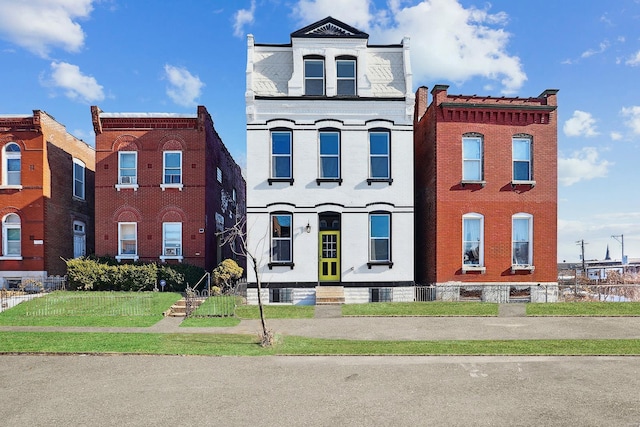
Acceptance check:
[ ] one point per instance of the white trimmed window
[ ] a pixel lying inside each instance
(11, 162)
(11, 236)
(314, 77)
(78, 179)
(380, 238)
(219, 175)
(346, 77)
(522, 155)
(472, 159)
(127, 240)
(329, 155)
(472, 241)
(281, 155)
(128, 167)
(522, 240)
(172, 167)
(281, 235)
(171, 240)
(379, 156)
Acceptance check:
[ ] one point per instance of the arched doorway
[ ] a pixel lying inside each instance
(329, 247)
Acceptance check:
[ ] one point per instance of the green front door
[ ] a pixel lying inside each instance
(329, 256)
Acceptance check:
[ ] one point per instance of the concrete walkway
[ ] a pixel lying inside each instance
(509, 325)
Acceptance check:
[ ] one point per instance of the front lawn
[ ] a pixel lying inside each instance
(584, 309)
(106, 309)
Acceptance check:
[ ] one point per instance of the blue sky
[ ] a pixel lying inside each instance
(62, 56)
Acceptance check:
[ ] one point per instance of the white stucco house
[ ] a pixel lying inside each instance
(330, 201)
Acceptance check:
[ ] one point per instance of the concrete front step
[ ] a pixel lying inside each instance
(179, 309)
(329, 295)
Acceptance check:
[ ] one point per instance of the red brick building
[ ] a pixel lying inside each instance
(486, 189)
(46, 197)
(165, 183)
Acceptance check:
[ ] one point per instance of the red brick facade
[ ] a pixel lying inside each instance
(42, 195)
(443, 197)
(199, 202)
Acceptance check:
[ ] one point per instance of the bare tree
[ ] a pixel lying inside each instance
(236, 238)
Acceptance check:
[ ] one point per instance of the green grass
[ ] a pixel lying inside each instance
(433, 308)
(222, 305)
(247, 345)
(103, 309)
(584, 309)
(276, 311)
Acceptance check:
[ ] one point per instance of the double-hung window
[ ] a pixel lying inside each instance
(472, 170)
(522, 241)
(281, 149)
(314, 77)
(346, 77)
(11, 240)
(472, 241)
(172, 173)
(127, 167)
(11, 164)
(281, 243)
(79, 239)
(78, 179)
(127, 240)
(379, 238)
(171, 240)
(522, 164)
(379, 156)
(329, 155)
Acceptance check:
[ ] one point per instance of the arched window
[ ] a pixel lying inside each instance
(11, 164)
(522, 240)
(472, 241)
(11, 231)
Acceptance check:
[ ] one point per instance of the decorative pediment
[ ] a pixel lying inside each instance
(329, 27)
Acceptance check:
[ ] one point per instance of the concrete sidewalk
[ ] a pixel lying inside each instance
(404, 328)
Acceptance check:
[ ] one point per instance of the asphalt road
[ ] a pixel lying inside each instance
(319, 391)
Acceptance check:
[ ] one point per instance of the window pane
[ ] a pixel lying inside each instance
(172, 160)
(346, 87)
(314, 87)
(281, 167)
(521, 171)
(281, 143)
(379, 167)
(471, 241)
(521, 253)
(521, 149)
(380, 250)
(379, 143)
(520, 230)
(471, 148)
(379, 225)
(329, 167)
(127, 160)
(329, 143)
(281, 250)
(314, 68)
(128, 231)
(12, 148)
(281, 226)
(13, 165)
(346, 68)
(13, 234)
(472, 170)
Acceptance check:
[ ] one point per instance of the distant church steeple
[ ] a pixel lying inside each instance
(607, 257)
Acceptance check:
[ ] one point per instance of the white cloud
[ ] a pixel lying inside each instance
(633, 113)
(615, 136)
(583, 165)
(184, 87)
(580, 124)
(601, 48)
(77, 86)
(447, 40)
(634, 61)
(39, 25)
(243, 17)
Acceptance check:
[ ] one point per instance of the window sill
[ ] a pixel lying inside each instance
(522, 267)
(165, 258)
(321, 180)
(481, 183)
(165, 186)
(10, 187)
(379, 263)
(473, 269)
(387, 180)
(272, 180)
(127, 257)
(133, 187)
(11, 258)
(280, 264)
(515, 183)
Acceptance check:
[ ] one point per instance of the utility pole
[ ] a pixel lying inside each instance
(620, 239)
(584, 268)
